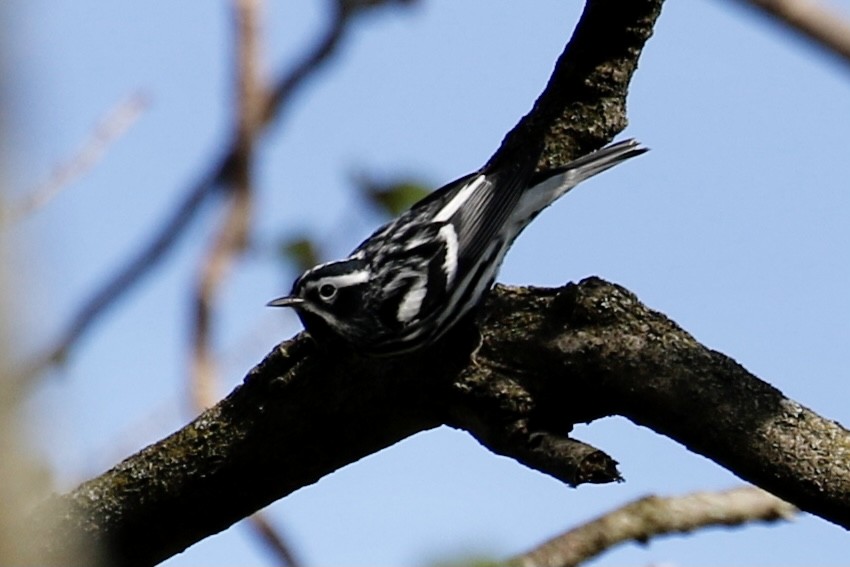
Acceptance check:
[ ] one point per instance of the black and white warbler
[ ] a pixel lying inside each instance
(412, 280)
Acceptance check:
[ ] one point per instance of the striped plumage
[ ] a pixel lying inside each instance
(413, 279)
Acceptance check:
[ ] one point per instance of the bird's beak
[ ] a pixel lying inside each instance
(288, 301)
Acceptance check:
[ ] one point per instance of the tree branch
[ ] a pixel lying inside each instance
(584, 104)
(618, 357)
(106, 132)
(824, 27)
(584, 351)
(653, 516)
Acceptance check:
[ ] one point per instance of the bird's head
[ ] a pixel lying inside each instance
(330, 297)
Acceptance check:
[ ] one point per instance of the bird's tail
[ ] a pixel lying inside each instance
(547, 186)
(587, 166)
(593, 163)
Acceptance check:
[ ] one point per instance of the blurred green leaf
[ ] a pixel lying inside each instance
(391, 198)
(395, 199)
(300, 251)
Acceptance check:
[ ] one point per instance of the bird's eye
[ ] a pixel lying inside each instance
(327, 291)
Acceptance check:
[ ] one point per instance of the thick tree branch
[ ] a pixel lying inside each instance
(584, 104)
(549, 358)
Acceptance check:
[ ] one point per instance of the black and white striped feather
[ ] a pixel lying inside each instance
(414, 278)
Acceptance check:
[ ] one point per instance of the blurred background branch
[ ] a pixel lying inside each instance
(232, 237)
(106, 132)
(654, 516)
(823, 26)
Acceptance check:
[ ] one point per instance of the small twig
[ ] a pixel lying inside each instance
(320, 53)
(653, 516)
(109, 128)
(250, 85)
(826, 28)
(271, 538)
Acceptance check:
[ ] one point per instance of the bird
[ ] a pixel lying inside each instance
(419, 275)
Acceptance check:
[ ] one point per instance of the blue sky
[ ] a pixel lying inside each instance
(735, 225)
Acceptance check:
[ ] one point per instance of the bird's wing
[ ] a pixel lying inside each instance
(424, 264)
(480, 207)
(438, 240)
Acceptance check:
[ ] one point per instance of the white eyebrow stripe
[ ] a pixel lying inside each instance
(345, 280)
(313, 269)
(458, 200)
(318, 267)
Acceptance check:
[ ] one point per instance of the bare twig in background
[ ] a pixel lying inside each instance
(226, 246)
(653, 516)
(111, 126)
(825, 27)
(217, 176)
(271, 538)
(233, 235)
(323, 49)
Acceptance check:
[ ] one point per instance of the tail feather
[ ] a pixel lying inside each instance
(547, 186)
(595, 162)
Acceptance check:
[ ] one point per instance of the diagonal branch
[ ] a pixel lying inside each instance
(273, 540)
(822, 26)
(585, 351)
(653, 516)
(109, 128)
